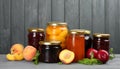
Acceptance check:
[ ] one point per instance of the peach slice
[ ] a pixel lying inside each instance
(29, 52)
(17, 48)
(66, 56)
(18, 56)
(10, 57)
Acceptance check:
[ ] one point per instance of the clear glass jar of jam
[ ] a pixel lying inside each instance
(57, 31)
(34, 36)
(75, 42)
(101, 41)
(50, 51)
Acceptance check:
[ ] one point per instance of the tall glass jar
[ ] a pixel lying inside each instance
(57, 31)
(34, 36)
(101, 41)
(75, 42)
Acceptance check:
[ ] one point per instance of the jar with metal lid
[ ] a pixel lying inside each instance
(75, 42)
(50, 51)
(57, 31)
(34, 36)
(101, 41)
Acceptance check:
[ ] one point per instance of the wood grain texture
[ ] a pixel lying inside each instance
(98, 16)
(17, 21)
(5, 33)
(86, 14)
(72, 13)
(57, 9)
(44, 13)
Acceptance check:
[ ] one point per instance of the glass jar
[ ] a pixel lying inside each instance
(75, 42)
(57, 31)
(34, 36)
(50, 51)
(88, 40)
(101, 41)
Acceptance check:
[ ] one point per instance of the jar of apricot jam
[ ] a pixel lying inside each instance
(101, 41)
(34, 36)
(50, 51)
(57, 31)
(75, 42)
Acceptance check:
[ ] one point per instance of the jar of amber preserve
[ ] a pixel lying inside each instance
(101, 41)
(75, 42)
(34, 36)
(57, 31)
(50, 51)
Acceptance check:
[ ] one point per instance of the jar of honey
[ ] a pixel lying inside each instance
(34, 36)
(101, 41)
(75, 42)
(50, 51)
(57, 31)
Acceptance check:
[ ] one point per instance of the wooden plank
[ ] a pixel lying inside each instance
(86, 14)
(17, 21)
(98, 16)
(112, 23)
(57, 10)
(44, 12)
(72, 13)
(31, 16)
(5, 26)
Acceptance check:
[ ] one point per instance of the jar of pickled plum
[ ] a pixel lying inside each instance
(57, 31)
(75, 42)
(101, 41)
(34, 36)
(50, 51)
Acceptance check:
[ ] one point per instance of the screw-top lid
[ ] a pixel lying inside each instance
(50, 42)
(97, 35)
(105, 35)
(55, 23)
(77, 31)
(36, 30)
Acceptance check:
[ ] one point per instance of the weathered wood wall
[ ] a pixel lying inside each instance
(16, 16)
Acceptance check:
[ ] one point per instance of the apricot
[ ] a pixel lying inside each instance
(17, 48)
(29, 52)
(10, 57)
(66, 56)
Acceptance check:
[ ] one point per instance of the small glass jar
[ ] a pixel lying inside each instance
(75, 42)
(101, 41)
(34, 36)
(57, 31)
(50, 51)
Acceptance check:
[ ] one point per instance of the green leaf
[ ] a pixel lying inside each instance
(36, 58)
(111, 54)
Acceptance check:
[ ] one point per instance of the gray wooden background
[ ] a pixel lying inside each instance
(16, 16)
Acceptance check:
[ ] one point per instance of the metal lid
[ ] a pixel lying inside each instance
(55, 23)
(36, 30)
(50, 42)
(77, 31)
(87, 32)
(97, 35)
(105, 35)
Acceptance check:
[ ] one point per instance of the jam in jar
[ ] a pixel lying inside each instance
(34, 36)
(57, 31)
(101, 41)
(50, 51)
(75, 42)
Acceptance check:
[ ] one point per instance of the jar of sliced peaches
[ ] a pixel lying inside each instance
(57, 31)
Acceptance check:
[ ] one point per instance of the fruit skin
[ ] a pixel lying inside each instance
(17, 48)
(66, 56)
(90, 51)
(29, 52)
(103, 56)
(18, 56)
(10, 57)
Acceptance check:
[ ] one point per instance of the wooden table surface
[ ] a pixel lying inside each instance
(5, 64)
